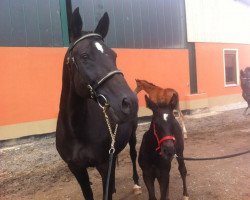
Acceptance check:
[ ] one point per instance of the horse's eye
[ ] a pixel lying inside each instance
(84, 56)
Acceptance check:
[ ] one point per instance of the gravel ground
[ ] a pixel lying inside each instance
(31, 168)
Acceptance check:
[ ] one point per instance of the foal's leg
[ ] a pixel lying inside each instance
(244, 113)
(103, 170)
(244, 95)
(163, 179)
(82, 177)
(184, 130)
(133, 156)
(149, 182)
(183, 172)
(183, 126)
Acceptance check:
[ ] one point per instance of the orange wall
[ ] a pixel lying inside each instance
(31, 78)
(210, 67)
(30, 83)
(165, 68)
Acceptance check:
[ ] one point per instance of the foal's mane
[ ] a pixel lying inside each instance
(150, 84)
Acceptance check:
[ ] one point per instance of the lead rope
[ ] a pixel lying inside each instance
(112, 147)
(212, 158)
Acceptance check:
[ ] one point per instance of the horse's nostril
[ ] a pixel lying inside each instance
(125, 103)
(126, 106)
(165, 151)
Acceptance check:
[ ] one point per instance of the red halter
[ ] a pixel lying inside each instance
(168, 137)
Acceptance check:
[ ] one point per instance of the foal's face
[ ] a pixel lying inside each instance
(94, 61)
(163, 118)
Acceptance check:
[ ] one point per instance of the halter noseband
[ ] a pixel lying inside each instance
(160, 141)
(92, 89)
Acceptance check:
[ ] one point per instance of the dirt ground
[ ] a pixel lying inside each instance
(31, 168)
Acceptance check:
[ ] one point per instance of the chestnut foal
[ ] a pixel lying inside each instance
(160, 96)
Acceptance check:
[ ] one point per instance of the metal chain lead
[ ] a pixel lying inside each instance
(112, 134)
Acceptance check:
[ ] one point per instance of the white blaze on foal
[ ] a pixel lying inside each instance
(99, 47)
(165, 116)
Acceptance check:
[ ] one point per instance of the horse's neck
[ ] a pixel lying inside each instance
(149, 89)
(72, 107)
(71, 103)
(69, 97)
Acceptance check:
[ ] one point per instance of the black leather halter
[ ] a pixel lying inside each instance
(101, 99)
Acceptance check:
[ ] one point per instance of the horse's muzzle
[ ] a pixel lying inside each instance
(125, 111)
(167, 150)
(129, 105)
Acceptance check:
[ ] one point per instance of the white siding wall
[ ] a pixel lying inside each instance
(223, 21)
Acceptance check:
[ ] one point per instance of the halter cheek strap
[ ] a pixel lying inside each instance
(160, 141)
(92, 89)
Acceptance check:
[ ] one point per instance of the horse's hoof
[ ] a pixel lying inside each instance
(185, 198)
(185, 136)
(137, 190)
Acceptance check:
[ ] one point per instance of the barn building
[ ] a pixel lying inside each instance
(194, 46)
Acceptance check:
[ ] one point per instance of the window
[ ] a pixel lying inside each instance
(231, 67)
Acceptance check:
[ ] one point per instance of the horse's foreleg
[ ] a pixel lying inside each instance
(149, 182)
(82, 177)
(183, 172)
(164, 183)
(103, 170)
(244, 113)
(133, 156)
(184, 130)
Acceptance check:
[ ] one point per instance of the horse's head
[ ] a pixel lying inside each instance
(163, 126)
(247, 72)
(139, 86)
(94, 73)
(245, 79)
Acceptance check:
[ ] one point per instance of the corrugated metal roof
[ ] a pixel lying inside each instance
(138, 23)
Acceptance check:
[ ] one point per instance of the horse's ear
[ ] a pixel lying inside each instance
(103, 25)
(173, 101)
(242, 73)
(138, 81)
(76, 24)
(150, 104)
(247, 72)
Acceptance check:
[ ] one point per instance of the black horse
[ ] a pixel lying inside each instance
(160, 143)
(94, 98)
(245, 86)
